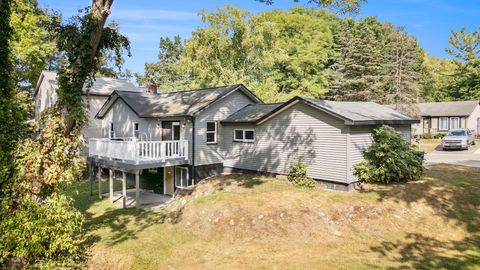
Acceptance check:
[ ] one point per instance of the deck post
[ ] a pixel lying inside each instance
(111, 175)
(124, 189)
(137, 189)
(99, 174)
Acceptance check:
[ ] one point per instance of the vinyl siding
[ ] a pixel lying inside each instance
(211, 153)
(299, 133)
(473, 121)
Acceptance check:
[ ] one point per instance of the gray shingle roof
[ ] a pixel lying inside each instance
(180, 103)
(353, 113)
(453, 108)
(251, 113)
(101, 86)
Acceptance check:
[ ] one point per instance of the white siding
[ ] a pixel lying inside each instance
(299, 133)
(94, 126)
(211, 153)
(473, 121)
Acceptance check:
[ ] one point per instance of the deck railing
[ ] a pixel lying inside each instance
(127, 149)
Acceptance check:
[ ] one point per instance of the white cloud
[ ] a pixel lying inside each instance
(155, 14)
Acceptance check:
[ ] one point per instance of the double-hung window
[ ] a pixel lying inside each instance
(454, 122)
(443, 123)
(111, 131)
(244, 135)
(212, 127)
(181, 177)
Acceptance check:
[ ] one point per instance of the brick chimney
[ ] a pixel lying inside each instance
(152, 88)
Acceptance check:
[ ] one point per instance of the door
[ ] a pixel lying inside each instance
(171, 132)
(169, 182)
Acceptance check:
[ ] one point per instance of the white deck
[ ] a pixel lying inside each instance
(130, 150)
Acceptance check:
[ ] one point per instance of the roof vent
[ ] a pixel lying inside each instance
(152, 88)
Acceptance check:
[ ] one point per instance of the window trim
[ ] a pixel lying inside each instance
(244, 131)
(185, 169)
(111, 131)
(440, 126)
(458, 121)
(136, 130)
(215, 132)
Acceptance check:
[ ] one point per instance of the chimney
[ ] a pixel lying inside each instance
(152, 88)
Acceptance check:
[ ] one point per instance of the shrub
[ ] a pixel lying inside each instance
(389, 159)
(40, 233)
(298, 175)
(427, 136)
(440, 135)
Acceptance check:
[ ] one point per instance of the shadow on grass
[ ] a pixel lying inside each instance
(453, 192)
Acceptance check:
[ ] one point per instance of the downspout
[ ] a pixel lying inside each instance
(193, 151)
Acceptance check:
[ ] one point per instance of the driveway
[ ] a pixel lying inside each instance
(470, 157)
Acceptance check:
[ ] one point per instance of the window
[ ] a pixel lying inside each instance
(39, 104)
(135, 130)
(212, 132)
(244, 135)
(50, 101)
(443, 123)
(181, 177)
(454, 122)
(111, 133)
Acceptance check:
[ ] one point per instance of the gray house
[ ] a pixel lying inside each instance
(443, 116)
(176, 139)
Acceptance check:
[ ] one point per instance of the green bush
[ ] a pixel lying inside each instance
(427, 136)
(389, 159)
(44, 234)
(298, 175)
(440, 135)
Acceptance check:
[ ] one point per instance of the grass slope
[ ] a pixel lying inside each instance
(244, 222)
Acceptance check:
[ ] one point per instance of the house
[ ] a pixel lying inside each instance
(45, 95)
(176, 139)
(443, 116)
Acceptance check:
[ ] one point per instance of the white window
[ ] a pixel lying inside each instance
(50, 101)
(443, 123)
(243, 135)
(135, 130)
(454, 122)
(181, 177)
(111, 133)
(39, 104)
(212, 132)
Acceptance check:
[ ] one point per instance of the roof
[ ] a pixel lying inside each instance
(452, 108)
(101, 85)
(352, 112)
(251, 113)
(179, 103)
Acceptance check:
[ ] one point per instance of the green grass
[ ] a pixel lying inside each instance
(252, 222)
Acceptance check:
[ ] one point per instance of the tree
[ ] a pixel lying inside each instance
(465, 48)
(435, 77)
(344, 6)
(33, 46)
(166, 73)
(402, 66)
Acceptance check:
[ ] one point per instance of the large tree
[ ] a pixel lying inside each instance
(435, 78)
(465, 48)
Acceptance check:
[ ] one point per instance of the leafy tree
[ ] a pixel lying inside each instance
(33, 46)
(389, 159)
(465, 47)
(166, 72)
(435, 78)
(344, 6)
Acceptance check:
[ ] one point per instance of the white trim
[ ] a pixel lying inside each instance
(277, 112)
(440, 126)
(458, 121)
(215, 132)
(136, 129)
(111, 130)
(182, 179)
(244, 131)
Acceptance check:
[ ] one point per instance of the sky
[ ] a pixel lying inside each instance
(145, 21)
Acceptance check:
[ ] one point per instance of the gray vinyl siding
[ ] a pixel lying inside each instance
(361, 137)
(299, 133)
(211, 153)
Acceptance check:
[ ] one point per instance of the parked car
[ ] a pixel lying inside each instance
(460, 138)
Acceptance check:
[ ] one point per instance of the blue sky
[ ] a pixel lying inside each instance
(145, 21)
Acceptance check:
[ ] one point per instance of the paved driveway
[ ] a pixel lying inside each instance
(470, 157)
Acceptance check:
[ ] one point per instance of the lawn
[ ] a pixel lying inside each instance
(428, 145)
(245, 222)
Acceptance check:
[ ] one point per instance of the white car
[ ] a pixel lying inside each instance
(460, 138)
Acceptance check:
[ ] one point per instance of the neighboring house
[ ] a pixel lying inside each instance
(443, 116)
(45, 95)
(176, 139)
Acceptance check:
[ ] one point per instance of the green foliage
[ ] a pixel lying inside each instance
(388, 159)
(440, 135)
(44, 234)
(33, 45)
(435, 78)
(343, 6)
(298, 175)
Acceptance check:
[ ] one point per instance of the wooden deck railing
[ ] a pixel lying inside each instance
(127, 149)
